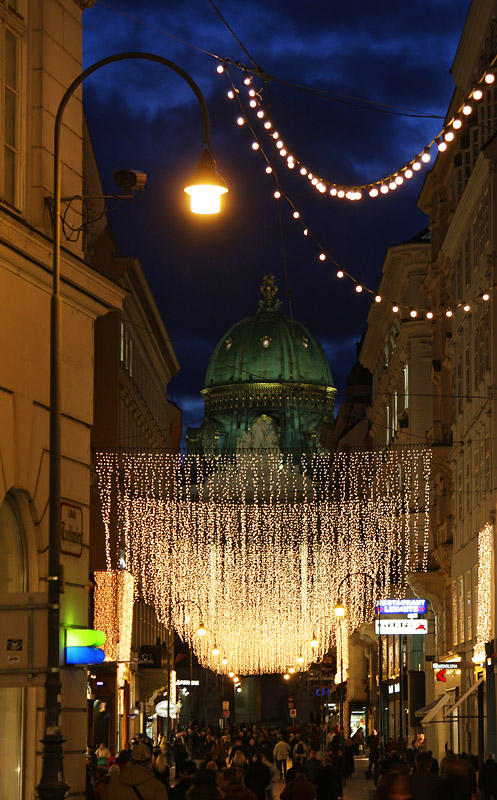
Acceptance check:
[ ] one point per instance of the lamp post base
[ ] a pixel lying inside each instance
(52, 785)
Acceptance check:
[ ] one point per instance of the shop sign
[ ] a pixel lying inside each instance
(71, 529)
(161, 709)
(399, 606)
(322, 691)
(403, 627)
(446, 665)
(184, 682)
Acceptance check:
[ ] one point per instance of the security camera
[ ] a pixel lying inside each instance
(130, 180)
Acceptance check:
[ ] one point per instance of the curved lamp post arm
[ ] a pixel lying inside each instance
(52, 786)
(350, 575)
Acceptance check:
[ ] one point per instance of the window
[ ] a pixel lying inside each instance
(9, 115)
(460, 607)
(468, 605)
(406, 386)
(455, 627)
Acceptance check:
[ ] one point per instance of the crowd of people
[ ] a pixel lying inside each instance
(255, 763)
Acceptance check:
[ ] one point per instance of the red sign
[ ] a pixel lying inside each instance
(440, 675)
(293, 712)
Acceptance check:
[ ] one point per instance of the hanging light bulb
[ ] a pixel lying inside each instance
(395, 309)
(441, 144)
(322, 256)
(485, 296)
(291, 670)
(283, 152)
(425, 156)
(358, 288)
(247, 81)
(399, 180)
(255, 145)
(303, 171)
(413, 313)
(466, 307)
(333, 191)
(408, 173)
(240, 121)
(269, 170)
(253, 103)
(260, 113)
(201, 630)
(341, 193)
(215, 650)
(449, 136)
(429, 315)
(384, 188)
(448, 313)
(286, 676)
(224, 661)
(230, 94)
(231, 674)
(457, 123)
(416, 166)
(296, 215)
(300, 659)
(267, 125)
(373, 192)
(467, 109)
(252, 92)
(392, 186)
(477, 94)
(489, 78)
(377, 298)
(277, 195)
(340, 274)
(220, 69)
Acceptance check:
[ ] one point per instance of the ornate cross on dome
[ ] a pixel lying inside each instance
(269, 292)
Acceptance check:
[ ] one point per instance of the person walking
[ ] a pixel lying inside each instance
(258, 777)
(281, 754)
(313, 767)
(137, 780)
(329, 784)
(300, 788)
(424, 784)
(487, 780)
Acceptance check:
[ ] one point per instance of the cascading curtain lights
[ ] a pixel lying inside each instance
(260, 541)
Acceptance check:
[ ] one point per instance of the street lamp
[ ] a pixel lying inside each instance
(52, 785)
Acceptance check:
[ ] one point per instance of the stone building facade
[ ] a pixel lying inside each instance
(40, 43)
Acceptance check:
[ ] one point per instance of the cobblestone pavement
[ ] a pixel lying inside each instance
(358, 786)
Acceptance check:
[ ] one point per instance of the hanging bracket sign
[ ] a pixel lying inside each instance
(403, 627)
(405, 606)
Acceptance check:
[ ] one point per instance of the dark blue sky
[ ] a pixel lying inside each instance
(205, 274)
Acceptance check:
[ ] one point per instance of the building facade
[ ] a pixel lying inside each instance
(459, 196)
(40, 44)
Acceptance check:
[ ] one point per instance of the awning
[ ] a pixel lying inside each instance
(430, 711)
(463, 697)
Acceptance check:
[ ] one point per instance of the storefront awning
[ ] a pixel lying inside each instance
(430, 711)
(463, 697)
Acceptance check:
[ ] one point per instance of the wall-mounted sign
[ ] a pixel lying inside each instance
(405, 606)
(71, 529)
(394, 688)
(184, 682)
(161, 709)
(404, 627)
(322, 691)
(446, 665)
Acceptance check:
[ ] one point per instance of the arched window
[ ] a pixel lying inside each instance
(12, 556)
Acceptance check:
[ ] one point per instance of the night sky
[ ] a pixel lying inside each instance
(205, 274)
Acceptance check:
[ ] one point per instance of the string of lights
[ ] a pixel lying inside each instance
(485, 592)
(408, 313)
(380, 186)
(261, 542)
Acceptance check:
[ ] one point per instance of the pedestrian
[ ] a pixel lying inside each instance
(281, 754)
(487, 780)
(329, 783)
(300, 788)
(137, 780)
(204, 786)
(424, 784)
(300, 752)
(184, 781)
(394, 786)
(258, 777)
(102, 754)
(161, 767)
(313, 767)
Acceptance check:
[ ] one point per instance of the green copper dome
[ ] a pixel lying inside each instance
(268, 386)
(268, 348)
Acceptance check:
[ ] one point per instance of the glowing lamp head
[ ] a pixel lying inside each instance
(485, 296)
(201, 630)
(286, 676)
(231, 674)
(377, 298)
(236, 679)
(224, 661)
(339, 610)
(206, 186)
(215, 650)
(300, 659)
(314, 642)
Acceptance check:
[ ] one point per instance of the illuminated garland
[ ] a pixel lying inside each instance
(260, 542)
(381, 186)
(485, 571)
(323, 254)
(113, 614)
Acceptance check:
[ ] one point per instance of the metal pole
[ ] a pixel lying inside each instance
(341, 680)
(169, 623)
(491, 738)
(380, 690)
(191, 678)
(401, 686)
(52, 785)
